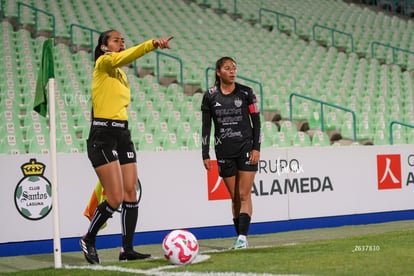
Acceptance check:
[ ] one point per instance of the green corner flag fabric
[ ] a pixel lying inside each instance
(46, 72)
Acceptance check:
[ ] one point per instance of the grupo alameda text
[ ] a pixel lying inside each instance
(286, 176)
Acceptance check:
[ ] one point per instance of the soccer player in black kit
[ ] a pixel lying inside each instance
(234, 110)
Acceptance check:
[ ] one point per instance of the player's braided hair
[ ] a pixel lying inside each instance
(102, 40)
(219, 64)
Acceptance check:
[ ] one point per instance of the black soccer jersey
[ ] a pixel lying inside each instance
(236, 118)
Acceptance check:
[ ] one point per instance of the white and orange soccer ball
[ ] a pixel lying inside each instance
(180, 247)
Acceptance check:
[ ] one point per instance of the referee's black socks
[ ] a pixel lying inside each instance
(129, 218)
(101, 215)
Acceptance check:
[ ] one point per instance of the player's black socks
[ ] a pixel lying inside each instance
(129, 217)
(236, 225)
(244, 224)
(101, 215)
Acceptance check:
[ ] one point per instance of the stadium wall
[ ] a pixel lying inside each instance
(295, 188)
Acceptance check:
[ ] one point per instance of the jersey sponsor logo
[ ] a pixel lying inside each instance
(116, 124)
(216, 188)
(389, 171)
(100, 123)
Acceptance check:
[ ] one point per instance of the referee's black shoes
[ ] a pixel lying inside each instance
(89, 251)
(131, 255)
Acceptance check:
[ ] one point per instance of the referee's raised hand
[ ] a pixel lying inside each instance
(162, 43)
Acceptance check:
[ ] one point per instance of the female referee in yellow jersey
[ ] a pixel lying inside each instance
(109, 144)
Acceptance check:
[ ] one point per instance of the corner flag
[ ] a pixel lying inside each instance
(46, 72)
(97, 197)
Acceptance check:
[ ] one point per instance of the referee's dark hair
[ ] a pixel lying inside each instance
(219, 64)
(102, 40)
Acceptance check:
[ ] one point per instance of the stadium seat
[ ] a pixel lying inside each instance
(174, 119)
(193, 142)
(398, 137)
(147, 142)
(171, 142)
(269, 133)
(282, 141)
(301, 139)
(68, 144)
(39, 144)
(381, 138)
(320, 138)
(289, 129)
(11, 145)
(160, 131)
(184, 130)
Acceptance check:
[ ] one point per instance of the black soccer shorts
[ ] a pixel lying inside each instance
(230, 166)
(107, 144)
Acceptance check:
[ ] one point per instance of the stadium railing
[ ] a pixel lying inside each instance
(278, 16)
(333, 32)
(322, 104)
(169, 56)
(393, 49)
(397, 123)
(36, 11)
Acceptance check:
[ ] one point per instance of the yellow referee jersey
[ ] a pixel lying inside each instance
(111, 94)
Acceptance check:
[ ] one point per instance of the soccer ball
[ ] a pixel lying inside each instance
(180, 247)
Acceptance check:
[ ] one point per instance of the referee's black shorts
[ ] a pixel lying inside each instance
(108, 141)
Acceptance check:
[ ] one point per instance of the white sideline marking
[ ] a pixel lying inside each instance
(159, 270)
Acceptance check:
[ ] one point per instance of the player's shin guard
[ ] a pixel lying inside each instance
(244, 224)
(101, 215)
(129, 218)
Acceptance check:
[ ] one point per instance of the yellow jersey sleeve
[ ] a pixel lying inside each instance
(111, 93)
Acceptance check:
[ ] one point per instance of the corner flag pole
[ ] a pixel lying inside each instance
(46, 81)
(53, 155)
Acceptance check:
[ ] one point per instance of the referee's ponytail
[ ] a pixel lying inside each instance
(102, 40)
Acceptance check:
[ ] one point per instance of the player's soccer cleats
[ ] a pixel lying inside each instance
(131, 255)
(89, 251)
(239, 244)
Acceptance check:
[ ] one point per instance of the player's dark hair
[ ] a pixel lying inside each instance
(219, 64)
(102, 40)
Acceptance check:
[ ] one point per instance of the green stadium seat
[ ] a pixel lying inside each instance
(282, 141)
(149, 143)
(174, 119)
(320, 138)
(184, 130)
(381, 138)
(39, 144)
(171, 142)
(301, 139)
(10, 144)
(193, 142)
(160, 131)
(289, 129)
(68, 144)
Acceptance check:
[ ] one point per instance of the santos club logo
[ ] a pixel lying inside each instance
(33, 194)
(389, 171)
